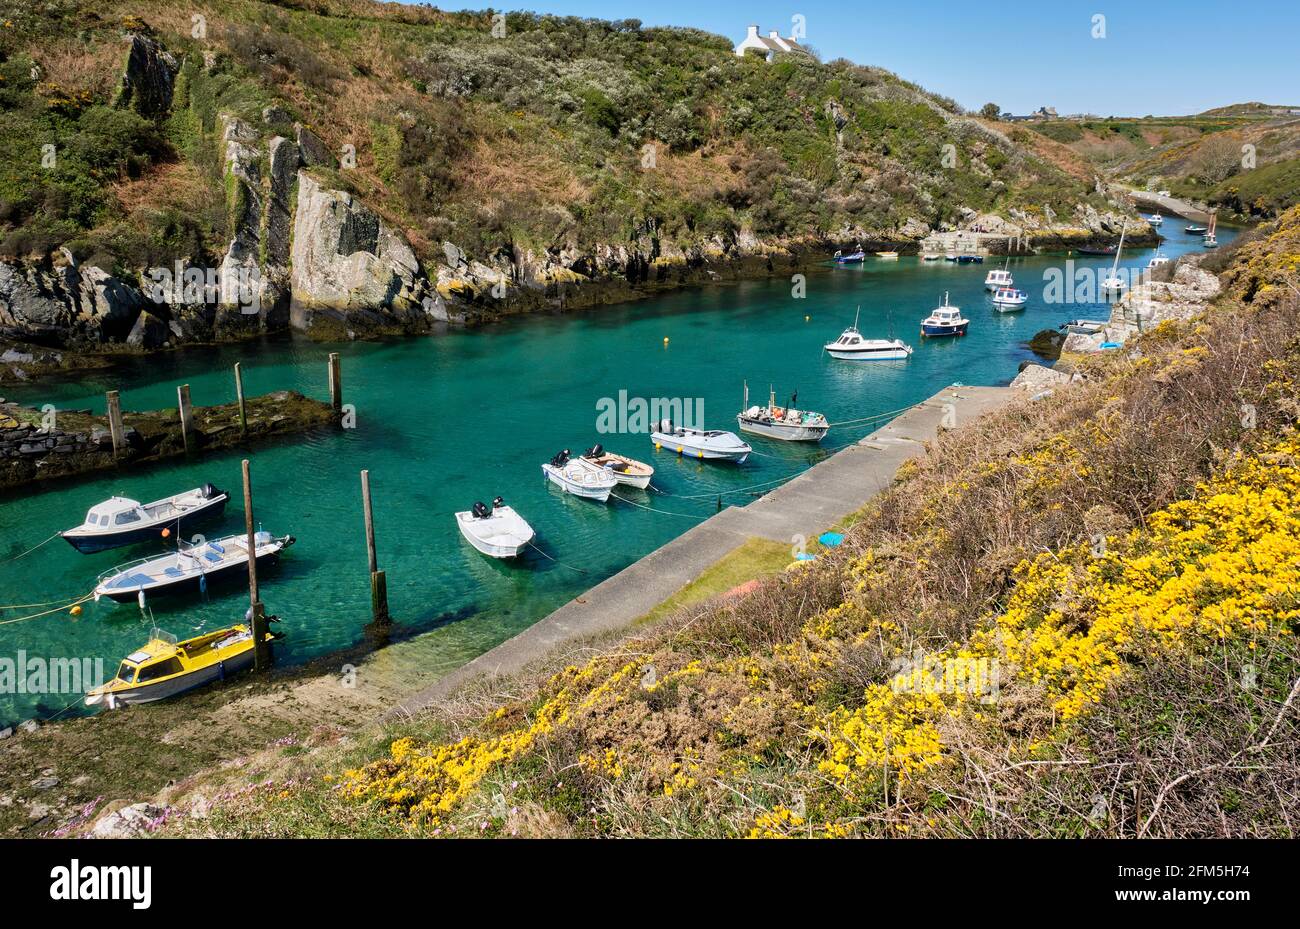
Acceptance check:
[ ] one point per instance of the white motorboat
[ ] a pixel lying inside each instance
(1008, 299)
(580, 477)
(944, 320)
(626, 470)
(1114, 284)
(888, 255)
(190, 567)
(785, 423)
(497, 530)
(119, 521)
(706, 444)
(1158, 260)
(999, 278)
(851, 346)
(1157, 220)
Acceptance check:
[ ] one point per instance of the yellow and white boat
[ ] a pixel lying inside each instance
(164, 667)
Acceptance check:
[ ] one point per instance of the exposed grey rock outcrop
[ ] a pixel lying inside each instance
(148, 79)
(1035, 378)
(347, 261)
(65, 305)
(314, 151)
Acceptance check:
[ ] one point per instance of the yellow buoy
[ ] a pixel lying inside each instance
(658, 446)
(807, 318)
(76, 610)
(665, 340)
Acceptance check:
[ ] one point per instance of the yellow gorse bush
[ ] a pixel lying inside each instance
(1224, 564)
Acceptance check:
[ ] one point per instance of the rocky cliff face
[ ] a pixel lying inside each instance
(304, 254)
(350, 269)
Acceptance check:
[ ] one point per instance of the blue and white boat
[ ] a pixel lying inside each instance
(944, 320)
(852, 258)
(1008, 299)
(120, 521)
(190, 567)
(970, 259)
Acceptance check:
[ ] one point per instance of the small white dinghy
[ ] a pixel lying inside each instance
(580, 477)
(626, 470)
(709, 445)
(191, 567)
(497, 530)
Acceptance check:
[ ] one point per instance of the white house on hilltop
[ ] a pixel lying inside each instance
(769, 46)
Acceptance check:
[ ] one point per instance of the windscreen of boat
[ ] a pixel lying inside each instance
(126, 672)
(161, 669)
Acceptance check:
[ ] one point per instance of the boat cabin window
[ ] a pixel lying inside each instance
(103, 520)
(161, 669)
(92, 518)
(126, 672)
(129, 516)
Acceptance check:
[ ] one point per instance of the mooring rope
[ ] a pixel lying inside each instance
(57, 609)
(557, 561)
(653, 510)
(30, 550)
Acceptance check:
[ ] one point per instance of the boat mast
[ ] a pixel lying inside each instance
(1118, 251)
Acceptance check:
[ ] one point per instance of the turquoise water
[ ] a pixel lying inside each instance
(461, 416)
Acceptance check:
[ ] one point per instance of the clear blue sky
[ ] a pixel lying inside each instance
(1160, 56)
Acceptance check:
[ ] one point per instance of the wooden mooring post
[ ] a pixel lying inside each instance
(115, 427)
(336, 383)
(186, 414)
(378, 582)
(239, 396)
(257, 613)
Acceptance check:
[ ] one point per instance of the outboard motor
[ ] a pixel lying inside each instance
(595, 451)
(209, 491)
(499, 501)
(561, 459)
(480, 510)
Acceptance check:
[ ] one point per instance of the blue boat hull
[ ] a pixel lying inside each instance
(935, 332)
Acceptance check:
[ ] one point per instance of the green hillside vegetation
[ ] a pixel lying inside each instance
(537, 138)
(1198, 157)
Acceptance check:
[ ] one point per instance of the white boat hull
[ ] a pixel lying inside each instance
(505, 534)
(627, 471)
(691, 448)
(588, 482)
(892, 354)
(786, 432)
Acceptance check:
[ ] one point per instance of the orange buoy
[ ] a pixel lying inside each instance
(166, 533)
(76, 610)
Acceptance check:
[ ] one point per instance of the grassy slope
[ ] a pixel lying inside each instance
(1199, 157)
(1126, 549)
(535, 139)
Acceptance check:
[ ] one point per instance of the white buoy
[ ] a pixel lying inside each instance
(139, 596)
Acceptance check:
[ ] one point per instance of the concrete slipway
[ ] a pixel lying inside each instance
(807, 504)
